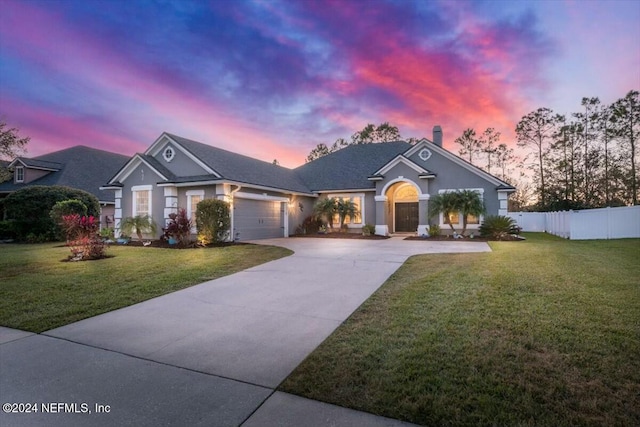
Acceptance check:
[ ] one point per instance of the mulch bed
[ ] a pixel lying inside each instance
(338, 235)
(510, 238)
(164, 244)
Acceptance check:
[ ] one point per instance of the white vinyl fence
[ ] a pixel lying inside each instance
(605, 223)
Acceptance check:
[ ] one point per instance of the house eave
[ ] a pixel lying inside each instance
(346, 190)
(238, 183)
(111, 187)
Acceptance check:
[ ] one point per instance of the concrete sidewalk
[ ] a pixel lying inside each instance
(211, 354)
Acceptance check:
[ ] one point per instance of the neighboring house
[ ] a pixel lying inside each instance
(391, 183)
(79, 167)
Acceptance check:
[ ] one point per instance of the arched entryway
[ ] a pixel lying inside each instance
(403, 207)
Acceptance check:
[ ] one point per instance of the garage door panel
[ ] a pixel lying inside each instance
(257, 219)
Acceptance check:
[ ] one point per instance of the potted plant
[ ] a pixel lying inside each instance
(178, 230)
(123, 239)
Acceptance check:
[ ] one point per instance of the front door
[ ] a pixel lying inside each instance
(406, 217)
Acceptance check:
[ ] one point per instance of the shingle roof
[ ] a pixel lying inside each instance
(239, 168)
(349, 167)
(38, 163)
(81, 167)
(158, 166)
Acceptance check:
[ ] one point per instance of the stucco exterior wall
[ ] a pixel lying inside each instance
(300, 208)
(452, 176)
(143, 175)
(180, 164)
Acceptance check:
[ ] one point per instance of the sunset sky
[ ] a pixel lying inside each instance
(273, 78)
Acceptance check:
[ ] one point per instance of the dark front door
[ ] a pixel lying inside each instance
(406, 217)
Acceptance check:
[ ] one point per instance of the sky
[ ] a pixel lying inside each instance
(273, 78)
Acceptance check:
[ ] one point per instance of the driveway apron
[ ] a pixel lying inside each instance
(235, 338)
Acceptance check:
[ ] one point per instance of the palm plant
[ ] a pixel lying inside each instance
(469, 203)
(139, 224)
(346, 208)
(466, 202)
(325, 209)
(446, 204)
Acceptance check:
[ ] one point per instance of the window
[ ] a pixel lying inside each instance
(358, 200)
(19, 173)
(168, 154)
(141, 197)
(193, 198)
(455, 218)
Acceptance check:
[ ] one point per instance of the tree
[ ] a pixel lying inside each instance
(320, 150)
(504, 158)
(139, 224)
(536, 129)
(11, 146)
(370, 134)
(470, 145)
(445, 204)
(384, 132)
(346, 208)
(487, 142)
(29, 208)
(588, 119)
(325, 209)
(469, 203)
(626, 124)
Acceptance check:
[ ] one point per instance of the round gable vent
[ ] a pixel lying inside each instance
(168, 154)
(424, 154)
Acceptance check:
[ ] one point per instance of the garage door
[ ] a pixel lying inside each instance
(257, 219)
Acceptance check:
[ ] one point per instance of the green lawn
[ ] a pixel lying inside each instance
(544, 332)
(39, 292)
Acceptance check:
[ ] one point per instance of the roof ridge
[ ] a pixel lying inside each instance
(207, 146)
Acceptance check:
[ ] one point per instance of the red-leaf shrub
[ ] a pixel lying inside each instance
(82, 237)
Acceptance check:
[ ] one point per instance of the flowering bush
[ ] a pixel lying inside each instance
(82, 237)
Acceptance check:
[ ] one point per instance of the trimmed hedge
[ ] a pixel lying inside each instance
(213, 220)
(29, 209)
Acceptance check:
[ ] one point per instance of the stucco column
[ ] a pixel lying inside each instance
(170, 202)
(423, 214)
(117, 216)
(382, 229)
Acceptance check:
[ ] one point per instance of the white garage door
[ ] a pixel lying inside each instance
(257, 219)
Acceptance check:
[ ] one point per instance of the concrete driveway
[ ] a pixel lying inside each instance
(211, 354)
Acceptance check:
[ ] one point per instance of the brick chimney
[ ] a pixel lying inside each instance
(437, 135)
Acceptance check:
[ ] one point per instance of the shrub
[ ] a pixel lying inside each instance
(310, 225)
(138, 224)
(369, 230)
(63, 208)
(29, 207)
(82, 237)
(179, 227)
(107, 233)
(325, 209)
(213, 221)
(498, 227)
(7, 230)
(434, 230)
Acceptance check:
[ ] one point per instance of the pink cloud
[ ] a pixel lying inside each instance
(102, 68)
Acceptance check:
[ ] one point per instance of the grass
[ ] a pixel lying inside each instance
(544, 332)
(39, 292)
